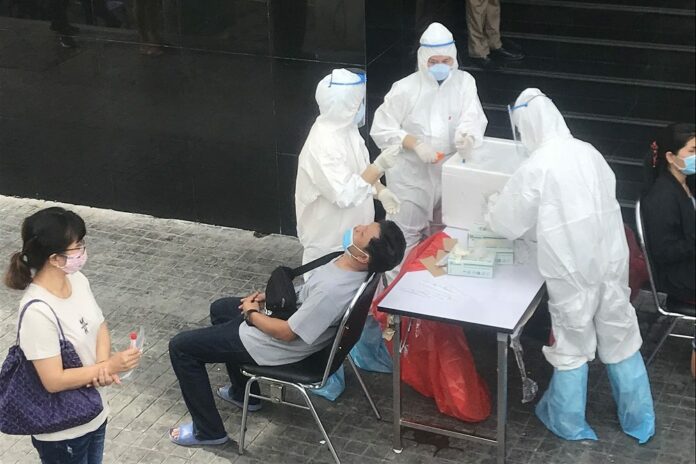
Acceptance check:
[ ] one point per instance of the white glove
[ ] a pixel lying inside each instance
(464, 144)
(387, 159)
(427, 154)
(389, 201)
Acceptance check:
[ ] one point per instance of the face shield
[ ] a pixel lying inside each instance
(360, 79)
(514, 115)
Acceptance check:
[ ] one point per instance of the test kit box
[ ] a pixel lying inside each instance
(466, 186)
(480, 237)
(478, 264)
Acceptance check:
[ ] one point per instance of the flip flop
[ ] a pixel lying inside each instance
(224, 393)
(187, 438)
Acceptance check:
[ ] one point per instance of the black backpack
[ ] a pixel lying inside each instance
(281, 299)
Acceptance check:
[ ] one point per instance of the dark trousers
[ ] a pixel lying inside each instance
(87, 449)
(189, 353)
(58, 13)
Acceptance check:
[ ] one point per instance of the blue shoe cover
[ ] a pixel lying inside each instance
(631, 389)
(370, 353)
(562, 408)
(334, 386)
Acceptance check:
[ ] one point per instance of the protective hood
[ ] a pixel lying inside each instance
(436, 40)
(339, 96)
(537, 119)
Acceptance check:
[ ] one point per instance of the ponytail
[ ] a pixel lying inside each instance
(18, 275)
(670, 139)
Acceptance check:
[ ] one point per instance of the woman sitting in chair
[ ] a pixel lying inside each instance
(668, 213)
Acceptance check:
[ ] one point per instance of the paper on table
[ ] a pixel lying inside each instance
(433, 291)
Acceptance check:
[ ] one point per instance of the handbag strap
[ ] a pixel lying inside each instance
(24, 309)
(298, 271)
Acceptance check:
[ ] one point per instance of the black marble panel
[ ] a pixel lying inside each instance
(236, 185)
(294, 86)
(326, 30)
(226, 25)
(385, 28)
(287, 172)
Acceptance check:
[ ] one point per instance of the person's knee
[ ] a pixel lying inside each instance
(175, 345)
(220, 309)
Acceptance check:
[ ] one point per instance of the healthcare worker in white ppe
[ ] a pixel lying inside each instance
(564, 193)
(335, 181)
(430, 114)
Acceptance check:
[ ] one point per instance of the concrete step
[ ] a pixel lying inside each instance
(575, 55)
(595, 97)
(660, 26)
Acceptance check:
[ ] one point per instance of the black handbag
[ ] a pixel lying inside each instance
(281, 300)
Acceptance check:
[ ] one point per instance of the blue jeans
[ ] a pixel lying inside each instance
(87, 449)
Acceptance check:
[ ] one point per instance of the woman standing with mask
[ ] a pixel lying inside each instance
(55, 291)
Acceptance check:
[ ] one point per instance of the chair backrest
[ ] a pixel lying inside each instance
(352, 325)
(642, 238)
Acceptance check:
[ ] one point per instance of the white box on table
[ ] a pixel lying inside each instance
(466, 186)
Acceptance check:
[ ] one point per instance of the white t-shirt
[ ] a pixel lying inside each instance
(80, 317)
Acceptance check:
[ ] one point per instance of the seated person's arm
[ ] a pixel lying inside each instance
(276, 328)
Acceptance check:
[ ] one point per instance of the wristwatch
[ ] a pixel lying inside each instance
(247, 316)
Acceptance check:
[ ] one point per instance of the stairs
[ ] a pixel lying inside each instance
(617, 70)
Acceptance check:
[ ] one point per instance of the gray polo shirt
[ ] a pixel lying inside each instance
(323, 301)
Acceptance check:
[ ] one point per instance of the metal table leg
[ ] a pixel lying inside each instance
(502, 395)
(396, 379)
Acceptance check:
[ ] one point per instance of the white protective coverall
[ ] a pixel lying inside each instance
(567, 190)
(330, 195)
(434, 113)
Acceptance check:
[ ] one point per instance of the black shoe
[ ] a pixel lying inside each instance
(67, 42)
(506, 54)
(484, 63)
(65, 29)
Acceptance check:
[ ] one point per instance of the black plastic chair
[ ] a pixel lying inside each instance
(671, 308)
(313, 372)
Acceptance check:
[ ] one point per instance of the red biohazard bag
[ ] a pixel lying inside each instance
(438, 363)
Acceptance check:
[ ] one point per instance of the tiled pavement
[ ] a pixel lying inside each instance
(163, 274)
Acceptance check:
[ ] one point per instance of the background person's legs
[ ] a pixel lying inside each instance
(492, 25)
(476, 24)
(58, 12)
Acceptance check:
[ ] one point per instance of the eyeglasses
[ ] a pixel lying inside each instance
(81, 247)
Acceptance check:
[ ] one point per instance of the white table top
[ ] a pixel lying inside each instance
(498, 303)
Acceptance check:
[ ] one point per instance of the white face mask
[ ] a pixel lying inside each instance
(348, 242)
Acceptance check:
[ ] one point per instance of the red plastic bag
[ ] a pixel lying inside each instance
(438, 363)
